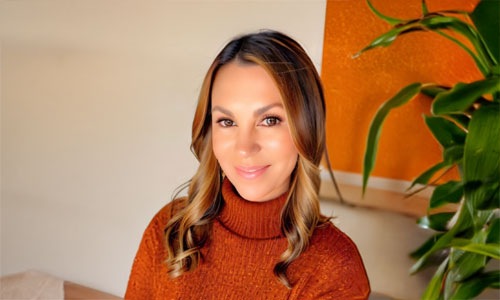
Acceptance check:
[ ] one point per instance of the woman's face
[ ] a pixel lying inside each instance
(250, 132)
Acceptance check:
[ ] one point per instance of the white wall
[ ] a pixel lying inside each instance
(97, 99)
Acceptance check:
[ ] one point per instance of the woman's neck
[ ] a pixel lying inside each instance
(257, 220)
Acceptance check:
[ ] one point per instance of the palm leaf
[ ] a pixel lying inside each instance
(487, 22)
(390, 20)
(404, 95)
(474, 286)
(462, 96)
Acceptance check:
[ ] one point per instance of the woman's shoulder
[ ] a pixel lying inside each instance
(163, 216)
(331, 267)
(329, 237)
(334, 249)
(154, 233)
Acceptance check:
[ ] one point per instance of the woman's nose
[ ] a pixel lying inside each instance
(247, 142)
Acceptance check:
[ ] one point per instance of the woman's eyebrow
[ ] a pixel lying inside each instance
(257, 112)
(262, 110)
(222, 110)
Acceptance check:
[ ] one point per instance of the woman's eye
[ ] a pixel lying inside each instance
(225, 123)
(271, 121)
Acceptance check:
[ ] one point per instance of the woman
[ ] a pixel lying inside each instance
(250, 226)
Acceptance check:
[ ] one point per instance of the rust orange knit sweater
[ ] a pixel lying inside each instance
(239, 259)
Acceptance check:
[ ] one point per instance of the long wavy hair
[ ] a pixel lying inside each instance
(302, 93)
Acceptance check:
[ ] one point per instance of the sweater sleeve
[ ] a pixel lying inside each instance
(338, 272)
(149, 257)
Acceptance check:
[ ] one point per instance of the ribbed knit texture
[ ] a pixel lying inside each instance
(238, 261)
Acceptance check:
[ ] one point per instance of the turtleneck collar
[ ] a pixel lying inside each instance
(257, 220)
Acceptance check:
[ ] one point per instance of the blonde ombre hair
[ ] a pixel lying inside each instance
(300, 86)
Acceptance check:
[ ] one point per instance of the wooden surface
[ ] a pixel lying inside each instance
(414, 206)
(77, 291)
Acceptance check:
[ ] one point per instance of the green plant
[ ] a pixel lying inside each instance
(465, 120)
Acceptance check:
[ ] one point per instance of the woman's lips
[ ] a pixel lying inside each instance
(251, 172)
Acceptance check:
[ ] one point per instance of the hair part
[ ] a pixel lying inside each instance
(302, 93)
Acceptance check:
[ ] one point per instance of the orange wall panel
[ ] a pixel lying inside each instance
(355, 88)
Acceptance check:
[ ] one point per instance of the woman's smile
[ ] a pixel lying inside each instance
(251, 172)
